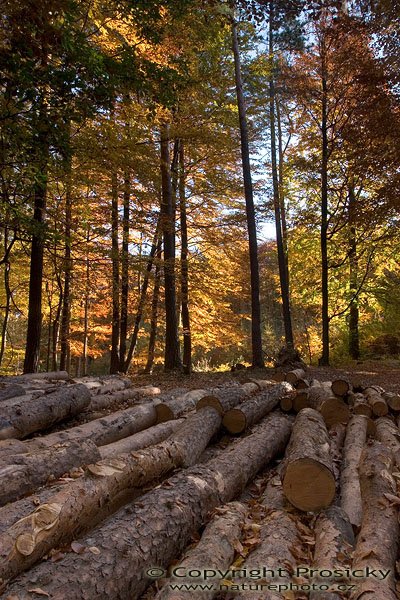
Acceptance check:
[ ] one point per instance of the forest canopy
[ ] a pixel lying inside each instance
(144, 149)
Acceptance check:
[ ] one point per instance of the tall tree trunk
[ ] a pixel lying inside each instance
(86, 310)
(7, 290)
(56, 323)
(114, 363)
(172, 358)
(32, 350)
(66, 306)
(282, 190)
(124, 273)
(324, 360)
(187, 339)
(282, 263)
(257, 353)
(142, 298)
(354, 339)
(154, 310)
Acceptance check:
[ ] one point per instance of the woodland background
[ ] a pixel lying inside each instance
(124, 221)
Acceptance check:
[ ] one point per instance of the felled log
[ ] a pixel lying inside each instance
(171, 407)
(142, 439)
(302, 384)
(341, 387)
(293, 377)
(350, 491)
(215, 550)
(388, 433)
(252, 410)
(129, 395)
(392, 400)
(72, 510)
(337, 434)
(333, 409)
(37, 414)
(359, 404)
(376, 401)
(51, 375)
(307, 473)
(106, 429)
(12, 391)
(22, 474)
(377, 542)
(278, 537)
(334, 541)
(222, 399)
(150, 532)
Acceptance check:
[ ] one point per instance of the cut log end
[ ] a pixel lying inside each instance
(164, 413)
(309, 485)
(235, 421)
(335, 411)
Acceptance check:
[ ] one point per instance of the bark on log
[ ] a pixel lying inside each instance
(143, 439)
(72, 510)
(153, 531)
(106, 430)
(279, 538)
(377, 402)
(129, 396)
(252, 410)
(27, 377)
(341, 387)
(393, 400)
(22, 474)
(333, 409)
(40, 413)
(11, 391)
(388, 433)
(251, 387)
(377, 542)
(334, 541)
(350, 501)
(223, 399)
(292, 377)
(172, 407)
(307, 472)
(359, 404)
(337, 435)
(215, 550)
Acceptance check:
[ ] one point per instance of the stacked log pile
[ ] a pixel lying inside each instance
(296, 477)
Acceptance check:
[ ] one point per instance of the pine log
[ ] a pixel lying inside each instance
(143, 439)
(376, 401)
(279, 539)
(114, 384)
(334, 541)
(72, 510)
(356, 436)
(359, 404)
(28, 377)
(393, 400)
(307, 473)
(223, 399)
(215, 550)
(251, 387)
(388, 433)
(286, 403)
(172, 407)
(40, 413)
(302, 384)
(264, 383)
(341, 387)
(377, 542)
(102, 401)
(153, 531)
(333, 409)
(11, 391)
(337, 434)
(107, 429)
(22, 474)
(252, 410)
(292, 377)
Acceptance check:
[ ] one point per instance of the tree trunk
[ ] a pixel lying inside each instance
(222, 399)
(294, 376)
(354, 338)
(187, 339)
(172, 353)
(388, 433)
(377, 542)
(72, 510)
(142, 439)
(376, 402)
(307, 473)
(393, 400)
(124, 274)
(254, 409)
(341, 387)
(334, 540)
(129, 396)
(171, 408)
(40, 413)
(8, 293)
(22, 474)
(148, 533)
(215, 550)
(32, 349)
(282, 262)
(142, 295)
(359, 404)
(332, 408)
(154, 312)
(256, 339)
(350, 494)
(114, 361)
(12, 391)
